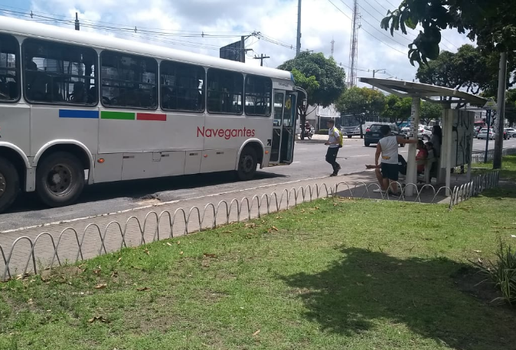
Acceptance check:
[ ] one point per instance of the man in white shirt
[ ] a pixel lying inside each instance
(333, 144)
(387, 147)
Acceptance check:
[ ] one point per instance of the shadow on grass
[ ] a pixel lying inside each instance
(372, 291)
(507, 189)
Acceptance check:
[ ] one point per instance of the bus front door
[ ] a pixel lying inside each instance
(284, 127)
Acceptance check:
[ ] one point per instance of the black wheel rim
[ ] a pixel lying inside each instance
(3, 185)
(247, 163)
(59, 180)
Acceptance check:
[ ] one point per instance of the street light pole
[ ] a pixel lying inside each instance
(377, 71)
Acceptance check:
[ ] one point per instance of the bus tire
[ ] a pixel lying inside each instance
(247, 164)
(9, 184)
(59, 179)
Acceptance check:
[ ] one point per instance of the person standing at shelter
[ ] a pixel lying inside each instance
(333, 144)
(387, 171)
(437, 140)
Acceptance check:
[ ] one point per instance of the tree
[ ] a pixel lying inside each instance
(397, 109)
(430, 111)
(468, 69)
(491, 23)
(510, 106)
(361, 103)
(323, 80)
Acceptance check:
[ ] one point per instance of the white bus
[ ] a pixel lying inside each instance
(80, 108)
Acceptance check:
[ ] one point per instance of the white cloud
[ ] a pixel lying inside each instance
(277, 19)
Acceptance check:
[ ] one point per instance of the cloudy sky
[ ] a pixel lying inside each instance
(205, 25)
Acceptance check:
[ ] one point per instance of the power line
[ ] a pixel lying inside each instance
(373, 26)
(391, 47)
(409, 32)
(144, 33)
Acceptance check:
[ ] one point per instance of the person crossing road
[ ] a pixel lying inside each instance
(333, 144)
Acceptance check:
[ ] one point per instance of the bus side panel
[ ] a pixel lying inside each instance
(227, 134)
(15, 126)
(152, 133)
(49, 123)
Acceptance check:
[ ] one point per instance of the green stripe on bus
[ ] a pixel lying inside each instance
(117, 115)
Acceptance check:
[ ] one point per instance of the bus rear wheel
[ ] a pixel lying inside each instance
(59, 179)
(9, 184)
(247, 164)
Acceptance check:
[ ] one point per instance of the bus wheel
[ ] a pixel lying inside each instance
(9, 184)
(59, 179)
(247, 164)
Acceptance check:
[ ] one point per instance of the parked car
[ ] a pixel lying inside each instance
(423, 131)
(373, 135)
(350, 131)
(483, 134)
(509, 132)
(476, 131)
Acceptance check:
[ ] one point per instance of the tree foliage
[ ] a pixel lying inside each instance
(329, 76)
(321, 77)
(361, 103)
(397, 109)
(491, 23)
(468, 69)
(430, 111)
(510, 106)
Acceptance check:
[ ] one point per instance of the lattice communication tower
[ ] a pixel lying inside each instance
(353, 49)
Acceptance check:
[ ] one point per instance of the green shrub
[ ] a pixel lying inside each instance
(322, 132)
(502, 272)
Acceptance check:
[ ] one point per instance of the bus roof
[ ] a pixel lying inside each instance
(43, 31)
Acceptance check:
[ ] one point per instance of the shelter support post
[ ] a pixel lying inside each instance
(411, 161)
(446, 149)
(470, 157)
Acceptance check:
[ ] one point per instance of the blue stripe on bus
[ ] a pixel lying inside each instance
(70, 113)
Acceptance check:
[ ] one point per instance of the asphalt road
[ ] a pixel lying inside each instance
(107, 198)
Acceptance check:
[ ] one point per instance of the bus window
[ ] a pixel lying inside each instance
(128, 81)
(182, 87)
(225, 91)
(59, 73)
(9, 69)
(258, 91)
(278, 108)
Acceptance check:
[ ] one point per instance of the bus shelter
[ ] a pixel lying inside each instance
(457, 125)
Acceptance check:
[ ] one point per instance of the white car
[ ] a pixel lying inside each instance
(423, 131)
(510, 132)
(483, 134)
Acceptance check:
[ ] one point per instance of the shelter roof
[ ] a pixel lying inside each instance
(431, 93)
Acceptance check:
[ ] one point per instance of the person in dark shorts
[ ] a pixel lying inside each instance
(333, 144)
(387, 171)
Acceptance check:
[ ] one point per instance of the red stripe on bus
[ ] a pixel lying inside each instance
(149, 116)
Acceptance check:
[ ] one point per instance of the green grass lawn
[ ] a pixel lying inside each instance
(508, 171)
(332, 274)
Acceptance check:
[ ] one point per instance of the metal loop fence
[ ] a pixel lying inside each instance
(28, 255)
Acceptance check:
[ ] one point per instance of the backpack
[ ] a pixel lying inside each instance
(340, 137)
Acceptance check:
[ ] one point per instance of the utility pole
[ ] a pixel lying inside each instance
(77, 24)
(499, 123)
(332, 47)
(298, 45)
(261, 58)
